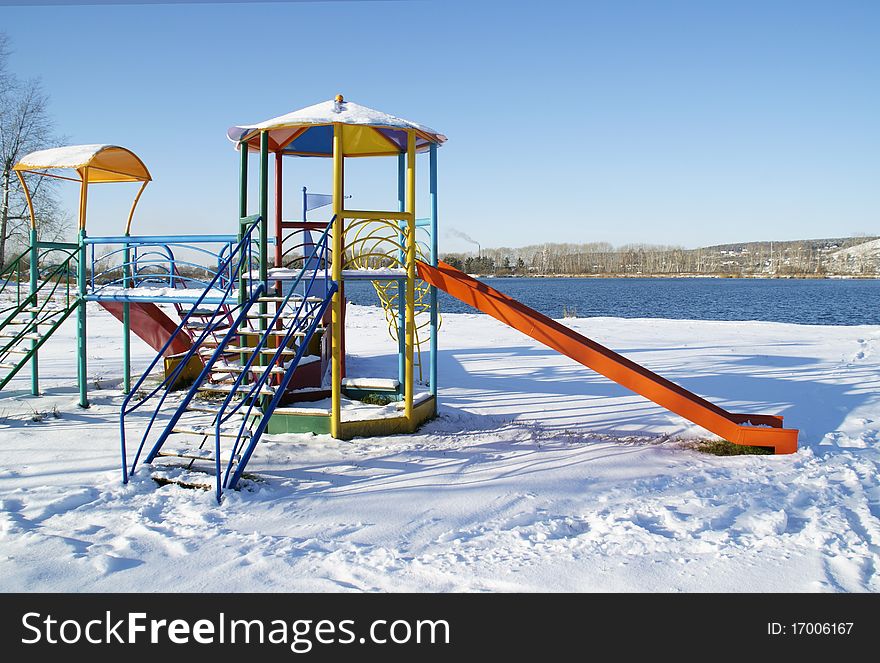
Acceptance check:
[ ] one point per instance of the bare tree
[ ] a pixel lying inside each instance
(25, 126)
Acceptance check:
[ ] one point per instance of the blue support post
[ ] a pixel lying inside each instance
(432, 379)
(126, 324)
(401, 283)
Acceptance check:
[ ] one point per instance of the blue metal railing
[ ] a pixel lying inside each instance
(154, 261)
(246, 394)
(150, 261)
(306, 319)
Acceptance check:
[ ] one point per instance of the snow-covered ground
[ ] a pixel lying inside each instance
(537, 475)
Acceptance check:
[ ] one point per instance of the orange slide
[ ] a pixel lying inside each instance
(151, 324)
(756, 430)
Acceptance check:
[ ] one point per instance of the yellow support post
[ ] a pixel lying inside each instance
(134, 205)
(408, 391)
(336, 310)
(27, 197)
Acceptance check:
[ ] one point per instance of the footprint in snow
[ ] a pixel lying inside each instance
(107, 564)
(106, 561)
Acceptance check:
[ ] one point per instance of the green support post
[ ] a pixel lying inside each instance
(81, 367)
(264, 216)
(242, 211)
(34, 267)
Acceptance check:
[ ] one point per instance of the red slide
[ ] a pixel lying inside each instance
(152, 325)
(757, 430)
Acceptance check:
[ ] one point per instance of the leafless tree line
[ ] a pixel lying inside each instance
(791, 258)
(25, 126)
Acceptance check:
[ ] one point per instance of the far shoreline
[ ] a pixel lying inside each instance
(799, 277)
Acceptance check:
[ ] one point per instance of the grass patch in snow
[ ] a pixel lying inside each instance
(725, 448)
(378, 399)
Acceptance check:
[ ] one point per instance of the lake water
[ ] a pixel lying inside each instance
(811, 302)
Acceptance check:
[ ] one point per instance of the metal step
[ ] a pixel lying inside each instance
(242, 389)
(201, 326)
(206, 431)
(209, 342)
(195, 406)
(193, 454)
(286, 317)
(200, 313)
(244, 349)
(208, 351)
(41, 309)
(272, 332)
(232, 368)
(293, 297)
(30, 337)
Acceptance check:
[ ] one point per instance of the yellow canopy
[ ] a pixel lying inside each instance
(105, 163)
(91, 164)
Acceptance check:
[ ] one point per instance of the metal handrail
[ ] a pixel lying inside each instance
(40, 314)
(266, 370)
(243, 250)
(251, 391)
(141, 253)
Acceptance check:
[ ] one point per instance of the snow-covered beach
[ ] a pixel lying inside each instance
(538, 475)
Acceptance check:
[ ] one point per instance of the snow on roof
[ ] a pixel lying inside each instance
(294, 133)
(106, 163)
(331, 112)
(71, 156)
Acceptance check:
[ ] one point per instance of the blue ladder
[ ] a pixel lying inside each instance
(240, 384)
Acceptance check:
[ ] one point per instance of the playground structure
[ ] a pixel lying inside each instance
(259, 342)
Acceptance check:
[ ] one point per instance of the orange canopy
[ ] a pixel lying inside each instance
(105, 163)
(91, 164)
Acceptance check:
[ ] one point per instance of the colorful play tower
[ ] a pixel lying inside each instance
(380, 246)
(259, 344)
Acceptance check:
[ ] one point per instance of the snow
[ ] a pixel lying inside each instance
(352, 410)
(70, 156)
(330, 112)
(537, 475)
(869, 248)
(157, 292)
(370, 383)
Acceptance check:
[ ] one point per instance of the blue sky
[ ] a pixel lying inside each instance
(678, 122)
